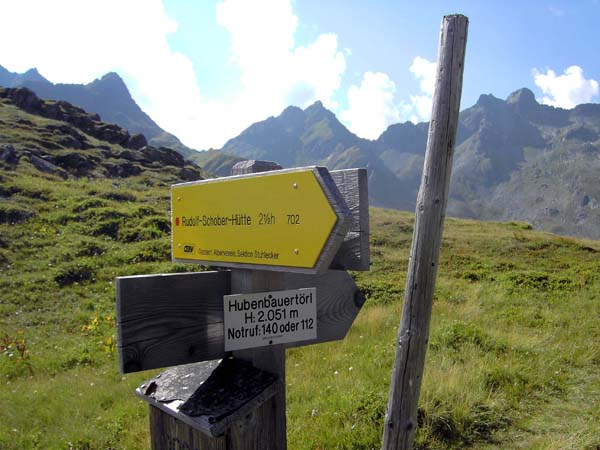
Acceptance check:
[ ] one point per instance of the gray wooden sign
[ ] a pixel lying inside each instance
(168, 320)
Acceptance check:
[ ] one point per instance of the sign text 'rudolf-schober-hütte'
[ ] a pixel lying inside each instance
(256, 320)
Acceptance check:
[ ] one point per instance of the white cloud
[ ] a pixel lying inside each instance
(371, 106)
(567, 90)
(74, 42)
(276, 72)
(424, 71)
(421, 104)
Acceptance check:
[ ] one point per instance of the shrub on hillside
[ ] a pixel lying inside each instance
(90, 248)
(119, 196)
(14, 214)
(156, 251)
(381, 292)
(74, 273)
(88, 204)
(109, 228)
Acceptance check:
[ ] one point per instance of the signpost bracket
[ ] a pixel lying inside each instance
(354, 253)
(193, 395)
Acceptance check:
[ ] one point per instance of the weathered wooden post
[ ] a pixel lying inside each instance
(289, 236)
(413, 335)
(272, 358)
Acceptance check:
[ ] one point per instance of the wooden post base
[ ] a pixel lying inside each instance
(169, 433)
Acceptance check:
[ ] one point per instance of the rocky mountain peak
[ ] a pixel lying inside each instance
(34, 75)
(488, 101)
(316, 113)
(111, 83)
(317, 110)
(410, 137)
(291, 114)
(292, 118)
(523, 101)
(522, 96)
(107, 96)
(291, 110)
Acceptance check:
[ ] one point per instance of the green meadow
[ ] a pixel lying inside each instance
(513, 360)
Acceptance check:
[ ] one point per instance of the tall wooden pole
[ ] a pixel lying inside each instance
(413, 335)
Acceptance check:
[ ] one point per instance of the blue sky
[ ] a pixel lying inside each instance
(205, 70)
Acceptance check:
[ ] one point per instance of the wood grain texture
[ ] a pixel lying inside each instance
(342, 226)
(354, 253)
(338, 303)
(169, 433)
(166, 320)
(413, 335)
(257, 430)
(333, 242)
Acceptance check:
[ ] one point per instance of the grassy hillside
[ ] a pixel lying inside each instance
(514, 357)
(514, 360)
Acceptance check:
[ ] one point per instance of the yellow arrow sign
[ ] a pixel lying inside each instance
(282, 219)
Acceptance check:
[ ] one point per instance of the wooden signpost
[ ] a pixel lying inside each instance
(289, 236)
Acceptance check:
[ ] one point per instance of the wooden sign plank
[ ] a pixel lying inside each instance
(166, 320)
(339, 302)
(286, 220)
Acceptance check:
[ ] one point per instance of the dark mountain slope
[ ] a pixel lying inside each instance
(296, 137)
(216, 162)
(314, 136)
(107, 96)
(502, 147)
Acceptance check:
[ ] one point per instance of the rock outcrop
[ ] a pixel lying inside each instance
(79, 144)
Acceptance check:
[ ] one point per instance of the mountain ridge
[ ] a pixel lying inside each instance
(498, 142)
(107, 96)
(506, 150)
